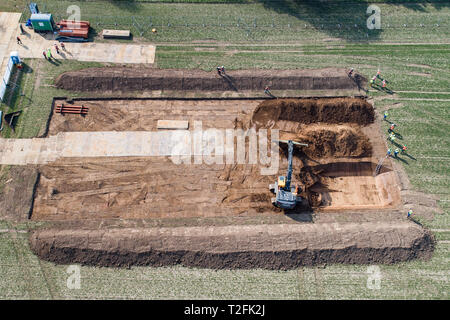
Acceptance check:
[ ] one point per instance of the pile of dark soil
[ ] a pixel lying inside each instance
(331, 141)
(306, 111)
(123, 79)
(239, 247)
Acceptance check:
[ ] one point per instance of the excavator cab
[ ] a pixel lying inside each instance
(281, 181)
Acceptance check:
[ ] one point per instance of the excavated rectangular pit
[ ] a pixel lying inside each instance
(352, 185)
(344, 151)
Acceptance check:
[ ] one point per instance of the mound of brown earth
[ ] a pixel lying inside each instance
(146, 79)
(331, 141)
(279, 246)
(306, 111)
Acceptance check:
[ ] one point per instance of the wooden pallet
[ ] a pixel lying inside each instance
(71, 109)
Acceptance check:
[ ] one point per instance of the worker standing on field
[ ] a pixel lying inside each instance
(267, 91)
(378, 74)
(396, 151)
(383, 83)
(19, 41)
(44, 54)
(350, 73)
(388, 154)
(373, 81)
(392, 137)
(49, 54)
(404, 149)
(57, 49)
(385, 115)
(391, 128)
(63, 46)
(410, 212)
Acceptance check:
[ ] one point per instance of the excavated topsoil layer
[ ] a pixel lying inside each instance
(334, 184)
(277, 246)
(335, 171)
(137, 187)
(326, 110)
(147, 79)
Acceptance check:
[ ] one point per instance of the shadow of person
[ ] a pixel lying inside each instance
(376, 87)
(230, 81)
(54, 61)
(388, 91)
(306, 216)
(398, 135)
(63, 55)
(401, 159)
(409, 156)
(358, 80)
(270, 95)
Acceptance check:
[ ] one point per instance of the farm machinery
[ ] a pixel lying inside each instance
(286, 195)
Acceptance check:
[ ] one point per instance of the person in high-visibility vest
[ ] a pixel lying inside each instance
(385, 115)
(389, 151)
(404, 148)
(383, 83)
(392, 137)
(410, 212)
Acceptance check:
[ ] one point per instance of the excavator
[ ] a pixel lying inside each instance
(286, 196)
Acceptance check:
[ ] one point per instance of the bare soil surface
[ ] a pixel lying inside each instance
(155, 187)
(16, 194)
(124, 79)
(121, 211)
(334, 110)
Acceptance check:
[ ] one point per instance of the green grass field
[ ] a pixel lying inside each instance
(415, 60)
(258, 21)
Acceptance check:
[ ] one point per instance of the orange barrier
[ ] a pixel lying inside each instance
(72, 24)
(71, 109)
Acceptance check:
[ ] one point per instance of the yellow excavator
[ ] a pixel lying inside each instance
(286, 196)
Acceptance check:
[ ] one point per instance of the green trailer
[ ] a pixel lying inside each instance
(42, 22)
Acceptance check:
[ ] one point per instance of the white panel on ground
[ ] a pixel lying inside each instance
(173, 124)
